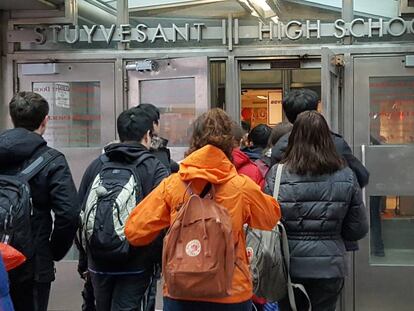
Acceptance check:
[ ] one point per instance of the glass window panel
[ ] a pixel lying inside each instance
(74, 113)
(261, 106)
(391, 110)
(176, 100)
(218, 84)
(392, 230)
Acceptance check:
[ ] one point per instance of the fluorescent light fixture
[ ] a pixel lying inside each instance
(259, 8)
(275, 19)
(262, 4)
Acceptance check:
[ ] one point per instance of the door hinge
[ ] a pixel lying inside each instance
(126, 86)
(338, 61)
(17, 85)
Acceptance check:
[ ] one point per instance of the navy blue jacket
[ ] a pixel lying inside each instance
(320, 213)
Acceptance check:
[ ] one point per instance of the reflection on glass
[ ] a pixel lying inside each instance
(74, 113)
(392, 230)
(218, 84)
(176, 100)
(392, 110)
(261, 106)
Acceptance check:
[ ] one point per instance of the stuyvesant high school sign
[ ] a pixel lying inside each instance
(229, 32)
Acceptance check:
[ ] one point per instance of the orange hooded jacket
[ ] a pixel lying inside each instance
(245, 201)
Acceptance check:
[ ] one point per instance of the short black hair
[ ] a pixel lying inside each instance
(28, 110)
(132, 124)
(298, 101)
(152, 111)
(259, 135)
(245, 126)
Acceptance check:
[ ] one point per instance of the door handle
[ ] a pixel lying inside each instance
(363, 160)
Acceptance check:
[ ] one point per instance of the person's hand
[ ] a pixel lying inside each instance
(85, 275)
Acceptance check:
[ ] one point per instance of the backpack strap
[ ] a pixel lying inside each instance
(277, 181)
(285, 249)
(40, 163)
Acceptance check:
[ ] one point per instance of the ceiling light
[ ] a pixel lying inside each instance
(275, 19)
(262, 4)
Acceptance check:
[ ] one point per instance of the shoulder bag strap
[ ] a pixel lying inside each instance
(40, 163)
(277, 181)
(286, 252)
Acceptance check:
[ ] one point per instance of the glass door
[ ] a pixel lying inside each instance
(178, 87)
(81, 98)
(384, 138)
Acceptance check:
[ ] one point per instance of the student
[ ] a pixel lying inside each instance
(52, 190)
(121, 285)
(257, 141)
(301, 100)
(208, 161)
(322, 207)
(278, 131)
(241, 161)
(158, 143)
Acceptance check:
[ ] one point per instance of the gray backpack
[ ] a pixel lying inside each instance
(268, 252)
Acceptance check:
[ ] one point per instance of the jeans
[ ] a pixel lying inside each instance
(30, 295)
(119, 292)
(323, 294)
(185, 305)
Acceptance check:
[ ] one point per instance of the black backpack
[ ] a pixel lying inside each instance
(114, 193)
(16, 206)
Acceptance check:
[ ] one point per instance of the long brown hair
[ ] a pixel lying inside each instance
(212, 128)
(311, 149)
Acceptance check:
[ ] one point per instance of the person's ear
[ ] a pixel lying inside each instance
(42, 128)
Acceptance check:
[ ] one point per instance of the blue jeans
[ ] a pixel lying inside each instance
(185, 305)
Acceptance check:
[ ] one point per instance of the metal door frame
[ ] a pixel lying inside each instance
(365, 66)
(184, 67)
(68, 278)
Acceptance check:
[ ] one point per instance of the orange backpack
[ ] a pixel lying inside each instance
(198, 254)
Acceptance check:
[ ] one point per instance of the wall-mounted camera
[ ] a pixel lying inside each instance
(143, 65)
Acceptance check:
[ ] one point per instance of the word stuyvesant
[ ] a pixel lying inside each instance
(196, 32)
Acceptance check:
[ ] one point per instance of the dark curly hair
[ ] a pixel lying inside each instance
(212, 128)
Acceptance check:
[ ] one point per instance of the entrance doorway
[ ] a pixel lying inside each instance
(264, 84)
(384, 138)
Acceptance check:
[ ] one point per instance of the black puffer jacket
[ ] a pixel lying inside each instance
(52, 190)
(342, 148)
(151, 172)
(319, 212)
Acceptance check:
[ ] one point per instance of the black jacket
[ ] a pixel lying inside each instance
(53, 190)
(342, 148)
(151, 172)
(162, 153)
(319, 213)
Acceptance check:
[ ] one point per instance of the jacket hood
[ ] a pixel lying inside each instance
(208, 163)
(18, 145)
(240, 159)
(254, 152)
(125, 151)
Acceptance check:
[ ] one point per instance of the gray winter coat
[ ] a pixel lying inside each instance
(319, 213)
